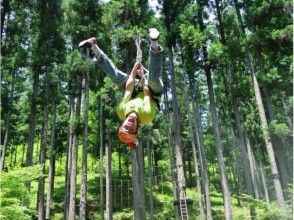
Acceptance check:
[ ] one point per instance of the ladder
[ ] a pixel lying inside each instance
(183, 208)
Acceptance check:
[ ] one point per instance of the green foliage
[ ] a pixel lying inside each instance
(217, 52)
(280, 129)
(126, 214)
(265, 210)
(14, 192)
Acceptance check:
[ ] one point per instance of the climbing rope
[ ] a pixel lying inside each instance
(139, 51)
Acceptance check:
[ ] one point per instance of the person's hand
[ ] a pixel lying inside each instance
(137, 65)
(140, 72)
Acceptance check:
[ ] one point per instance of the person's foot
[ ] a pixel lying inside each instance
(89, 41)
(153, 34)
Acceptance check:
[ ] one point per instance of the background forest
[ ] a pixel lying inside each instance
(220, 147)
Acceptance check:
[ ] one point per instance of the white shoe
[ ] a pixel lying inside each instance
(90, 41)
(153, 34)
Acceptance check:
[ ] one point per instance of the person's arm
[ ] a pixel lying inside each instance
(145, 87)
(131, 82)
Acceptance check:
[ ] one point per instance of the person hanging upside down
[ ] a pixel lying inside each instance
(140, 109)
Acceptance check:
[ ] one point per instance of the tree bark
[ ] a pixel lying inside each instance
(138, 183)
(171, 152)
(181, 183)
(215, 124)
(268, 142)
(150, 180)
(51, 165)
(7, 121)
(202, 155)
(263, 120)
(108, 179)
(253, 170)
(68, 162)
(5, 12)
(196, 168)
(83, 198)
(101, 160)
(74, 153)
(42, 158)
(32, 117)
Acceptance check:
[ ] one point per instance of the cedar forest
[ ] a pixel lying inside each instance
(219, 148)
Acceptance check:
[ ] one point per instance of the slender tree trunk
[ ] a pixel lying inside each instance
(119, 165)
(5, 13)
(32, 125)
(194, 141)
(74, 153)
(242, 154)
(171, 152)
(101, 160)
(32, 117)
(155, 153)
(215, 124)
(51, 164)
(15, 156)
(181, 183)
(68, 156)
(150, 180)
(42, 159)
(281, 153)
(268, 143)
(7, 121)
(202, 155)
(263, 120)
(219, 149)
(23, 153)
(138, 183)
(198, 184)
(252, 167)
(262, 176)
(83, 199)
(108, 179)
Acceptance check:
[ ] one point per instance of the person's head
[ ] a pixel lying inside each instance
(128, 131)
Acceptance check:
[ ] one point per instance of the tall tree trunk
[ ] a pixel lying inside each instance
(263, 120)
(150, 180)
(268, 142)
(108, 179)
(242, 155)
(51, 164)
(219, 149)
(32, 117)
(263, 180)
(83, 199)
(194, 141)
(68, 156)
(119, 165)
(7, 120)
(253, 169)
(181, 183)
(5, 14)
(171, 152)
(281, 152)
(138, 183)
(74, 153)
(215, 124)
(32, 126)
(42, 159)
(202, 155)
(196, 168)
(101, 159)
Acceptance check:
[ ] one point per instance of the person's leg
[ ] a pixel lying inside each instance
(155, 62)
(117, 76)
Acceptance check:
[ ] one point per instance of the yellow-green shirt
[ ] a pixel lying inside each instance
(145, 110)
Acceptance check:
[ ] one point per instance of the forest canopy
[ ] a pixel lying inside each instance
(221, 144)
